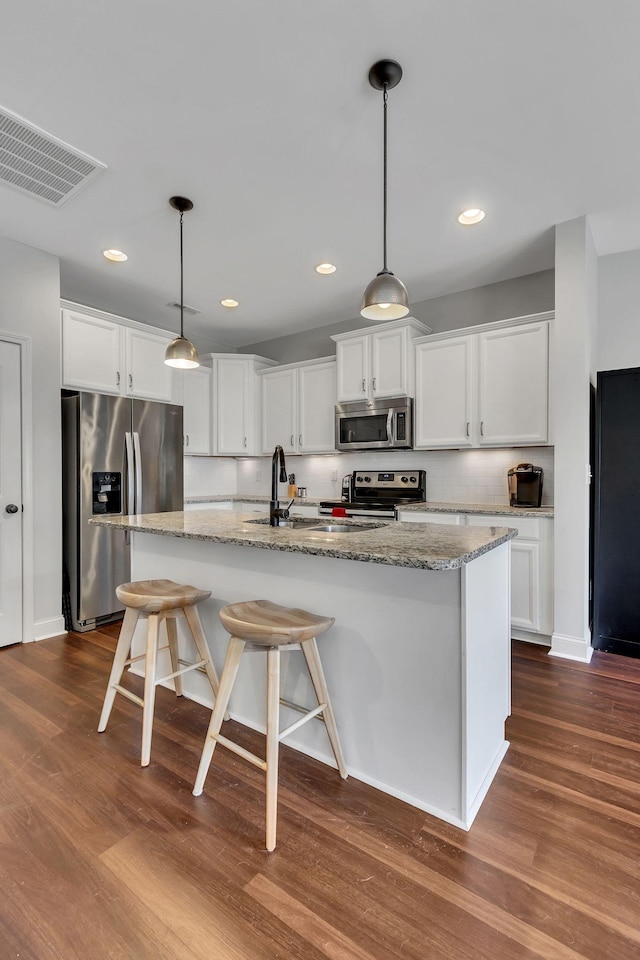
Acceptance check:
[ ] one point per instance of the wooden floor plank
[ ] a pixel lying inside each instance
(101, 858)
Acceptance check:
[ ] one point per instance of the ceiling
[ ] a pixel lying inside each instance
(262, 114)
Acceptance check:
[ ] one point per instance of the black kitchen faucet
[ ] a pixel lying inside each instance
(276, 512)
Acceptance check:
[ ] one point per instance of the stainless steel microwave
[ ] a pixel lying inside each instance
(375, 424)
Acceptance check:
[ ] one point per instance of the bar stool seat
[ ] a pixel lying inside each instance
(156, 601)
(262, 625)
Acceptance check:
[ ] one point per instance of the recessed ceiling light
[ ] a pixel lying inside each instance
(325, 268)
(229, 302)
(474, 215)
(116, 256)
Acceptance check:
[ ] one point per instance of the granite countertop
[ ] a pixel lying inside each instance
(426, 506)
(420, 545)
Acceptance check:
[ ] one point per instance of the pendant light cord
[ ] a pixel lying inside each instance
(384, 189)
(181, 282)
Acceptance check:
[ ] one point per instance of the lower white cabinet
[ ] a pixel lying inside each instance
(531, 572)
(531, 565)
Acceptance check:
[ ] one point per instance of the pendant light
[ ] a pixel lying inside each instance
(181, 352)
(386, 297)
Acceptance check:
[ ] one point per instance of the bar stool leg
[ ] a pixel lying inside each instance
(195, 625)
(122, 652)
(273, 730)
(229, 672)
(149, 687)
(172, 640)
(311, 655)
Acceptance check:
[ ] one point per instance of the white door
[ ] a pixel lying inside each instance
(316, 419)
(232, 406)
(444, 393)
(148, 376)
(197, 410)
(390, 373)
(353, 368)
(10, 496)
(279, 420)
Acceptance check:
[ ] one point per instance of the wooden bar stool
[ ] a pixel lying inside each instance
(156, 600)
(267, 626)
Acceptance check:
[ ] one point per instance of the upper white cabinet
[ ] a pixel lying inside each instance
(106, 355)
(489, 387)
(378, 361)
(298, 405)
(236, 403)
(198, 433)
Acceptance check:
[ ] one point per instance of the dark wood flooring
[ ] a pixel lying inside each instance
(99, 858)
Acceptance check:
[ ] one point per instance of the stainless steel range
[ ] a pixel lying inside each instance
(377, 493)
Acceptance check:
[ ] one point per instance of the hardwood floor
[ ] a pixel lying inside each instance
(100, 858)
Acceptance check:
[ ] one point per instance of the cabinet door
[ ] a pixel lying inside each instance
(525, 585)
(197, 411)
(232, 411)
(148, 376)
(91, 353)
(316, 408)
(279, 420)
(389, 363)
(513, 388)
(412, 516)
(352, 358)
(444, 384)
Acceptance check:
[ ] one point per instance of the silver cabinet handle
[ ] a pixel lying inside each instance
(244, 441)
(299, 439)
(291, 444)
(364, 386)
(374, 383)
(468, 425)
(130, 381)
(187, 440)
(117, 378)
(482, 428)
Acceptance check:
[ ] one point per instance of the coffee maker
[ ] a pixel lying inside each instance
(525, 485)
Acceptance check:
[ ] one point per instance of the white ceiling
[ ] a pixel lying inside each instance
(262, 114)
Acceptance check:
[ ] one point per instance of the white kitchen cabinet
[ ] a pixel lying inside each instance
(236, 400)
(488, 387)
(108, 355)
(418, 516)
(197, 427)
(209, 505)
(377, 361)
(298, 405)
(531, 572)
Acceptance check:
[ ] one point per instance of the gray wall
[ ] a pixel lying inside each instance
(30, 307)
(533, 293)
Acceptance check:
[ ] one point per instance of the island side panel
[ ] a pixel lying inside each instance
(486, 649)
(392, 660)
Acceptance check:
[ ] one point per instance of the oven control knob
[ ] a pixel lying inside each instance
(367, 479)
(413, 479)
(405, 479)
(359, 479)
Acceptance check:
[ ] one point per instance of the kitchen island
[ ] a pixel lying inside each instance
(418, 660)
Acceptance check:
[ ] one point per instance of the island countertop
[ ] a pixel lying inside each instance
(418, 545)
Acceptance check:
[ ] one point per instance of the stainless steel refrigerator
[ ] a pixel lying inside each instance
(119, 456)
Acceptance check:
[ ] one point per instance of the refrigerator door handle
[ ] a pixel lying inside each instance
(131, 501)
(138, 470)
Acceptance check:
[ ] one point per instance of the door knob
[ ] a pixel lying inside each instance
(11, 508)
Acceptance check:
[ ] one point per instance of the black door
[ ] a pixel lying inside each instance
(616, 544)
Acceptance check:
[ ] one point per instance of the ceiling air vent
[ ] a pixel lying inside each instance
(36, 163)
(191, 311)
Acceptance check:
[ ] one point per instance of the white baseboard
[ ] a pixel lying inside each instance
(542, 639)
(571, 648)
(45, 629)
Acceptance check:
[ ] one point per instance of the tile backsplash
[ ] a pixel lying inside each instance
(453, 476)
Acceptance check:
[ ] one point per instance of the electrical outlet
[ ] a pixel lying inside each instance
(258, 475)
(334, 475)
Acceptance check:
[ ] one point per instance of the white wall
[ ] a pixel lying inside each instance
(618, 343)
(30, 307)
(572, 360)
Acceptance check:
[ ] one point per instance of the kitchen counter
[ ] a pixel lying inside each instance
(418, 661)
(426, 506)
(419, 545)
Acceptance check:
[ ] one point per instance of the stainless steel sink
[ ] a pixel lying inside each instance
(295, 523)
(312, 525)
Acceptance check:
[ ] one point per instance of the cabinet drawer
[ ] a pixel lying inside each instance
(411, 516)
(528, 527)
